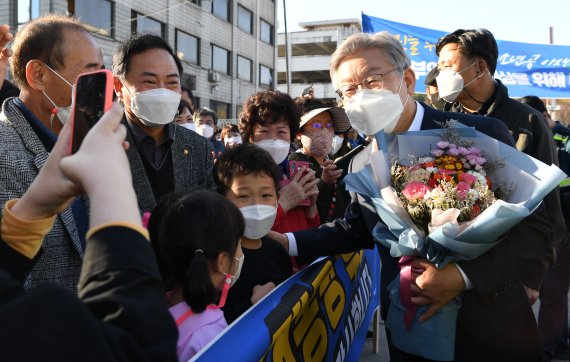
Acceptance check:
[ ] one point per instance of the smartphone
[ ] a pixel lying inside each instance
(343, 162)
(294, 167)
(92, 98)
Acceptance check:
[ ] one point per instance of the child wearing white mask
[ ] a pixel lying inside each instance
(247, 176)
(231, 136)
(199, 262)
(270, 120)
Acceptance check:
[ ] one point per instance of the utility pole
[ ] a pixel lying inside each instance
(287, 74)
(553, 100)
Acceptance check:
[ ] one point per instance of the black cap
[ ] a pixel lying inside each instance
(430, 78)
(307, 90)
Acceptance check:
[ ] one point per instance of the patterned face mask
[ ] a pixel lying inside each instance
(317, 141)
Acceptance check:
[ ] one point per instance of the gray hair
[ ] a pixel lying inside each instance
(383, 40)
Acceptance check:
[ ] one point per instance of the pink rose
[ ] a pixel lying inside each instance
(462, 189)
(470, 179)
(415, 190)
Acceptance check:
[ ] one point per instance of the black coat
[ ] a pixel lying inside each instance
(496, 318)
(119, 315)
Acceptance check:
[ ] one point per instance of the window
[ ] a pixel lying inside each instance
(144, 24)
(96, 13)
(221, 8)
(220, 59)
(187, 47)
(244, 66)
(27, 10)
(197, 2)
(222, 109)
(266, 32)
(245, 19)
(308, 77)
(265, 76)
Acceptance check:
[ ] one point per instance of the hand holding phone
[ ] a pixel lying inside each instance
(294, 167)
(93, 97)
(343, 162)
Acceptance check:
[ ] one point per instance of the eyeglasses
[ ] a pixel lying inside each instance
(374, 81)
(320, 125)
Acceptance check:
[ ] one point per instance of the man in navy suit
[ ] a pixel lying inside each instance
(372, 75)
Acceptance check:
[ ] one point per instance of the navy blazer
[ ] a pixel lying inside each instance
(494, 275)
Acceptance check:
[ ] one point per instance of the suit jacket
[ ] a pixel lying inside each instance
(22, 155)
(191, 160)
(495, 316)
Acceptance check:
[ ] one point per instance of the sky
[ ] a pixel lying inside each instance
(526, 21)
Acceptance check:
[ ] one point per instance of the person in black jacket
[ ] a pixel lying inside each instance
(553, 312)
(119, 313)
(248, 177)
(467, 62)
(495, 321)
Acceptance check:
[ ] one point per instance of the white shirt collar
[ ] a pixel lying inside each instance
(418, 118)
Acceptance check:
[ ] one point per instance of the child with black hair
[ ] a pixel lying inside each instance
(199, 262)
(247, 176)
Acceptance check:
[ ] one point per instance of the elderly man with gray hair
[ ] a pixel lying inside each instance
(372, 75)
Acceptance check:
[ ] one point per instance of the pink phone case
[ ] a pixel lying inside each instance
(294, 167)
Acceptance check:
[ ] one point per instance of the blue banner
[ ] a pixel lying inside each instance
(526, 69)
(322, 313)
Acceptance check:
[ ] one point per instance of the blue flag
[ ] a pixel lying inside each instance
(526, 69)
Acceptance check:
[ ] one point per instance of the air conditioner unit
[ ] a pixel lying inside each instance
(214, 77)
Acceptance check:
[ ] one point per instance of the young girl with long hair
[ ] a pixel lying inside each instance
(196, 237)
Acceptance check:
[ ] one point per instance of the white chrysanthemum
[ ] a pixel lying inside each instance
(419, 175)
(425, 159)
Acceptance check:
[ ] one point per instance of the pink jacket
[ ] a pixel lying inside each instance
(197, 330)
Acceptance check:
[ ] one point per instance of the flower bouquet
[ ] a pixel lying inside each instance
(450, 183)
(440, 197)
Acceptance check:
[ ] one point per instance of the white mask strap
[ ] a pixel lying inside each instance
(56, 73)
(479, 76)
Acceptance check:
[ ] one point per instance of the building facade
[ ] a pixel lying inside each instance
(310, 52)
(226, 46)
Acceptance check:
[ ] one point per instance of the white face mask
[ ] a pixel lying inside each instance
(155, 107)
(258, 220)
(278, 149)
(232, 141)
(336, 144)
(450, 83)
(62, 113)
(236, 275)
(373, 110)
(188, 125)
(205, 131)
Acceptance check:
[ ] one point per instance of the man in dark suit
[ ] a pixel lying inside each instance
(164, 157)
(495, 320)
